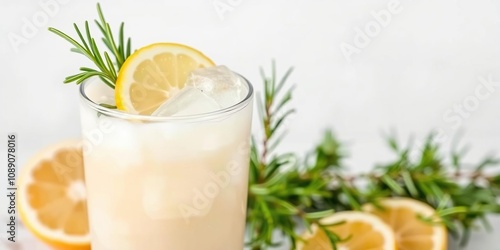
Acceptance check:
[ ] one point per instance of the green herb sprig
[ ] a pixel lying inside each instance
(462, 195)
(281, 195)
(286, 192)
(106, 68)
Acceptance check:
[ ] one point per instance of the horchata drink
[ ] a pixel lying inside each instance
(169, 168)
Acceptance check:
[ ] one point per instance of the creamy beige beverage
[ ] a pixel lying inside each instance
(175, 180)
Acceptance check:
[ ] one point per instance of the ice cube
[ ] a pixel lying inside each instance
(189, 101)
(220, 83)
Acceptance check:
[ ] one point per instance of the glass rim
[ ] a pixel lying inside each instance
(147, 118)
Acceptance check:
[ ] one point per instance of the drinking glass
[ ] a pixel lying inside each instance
(177, 183)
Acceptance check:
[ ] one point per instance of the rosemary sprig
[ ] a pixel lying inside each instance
(280, 194)
(87, 46)
(462, 198)
(285, 192)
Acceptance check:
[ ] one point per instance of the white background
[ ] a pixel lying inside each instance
(429, 57)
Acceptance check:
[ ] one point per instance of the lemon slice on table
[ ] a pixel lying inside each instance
(154, 73)
(362, 231)
(52, 198)
(412, 233)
